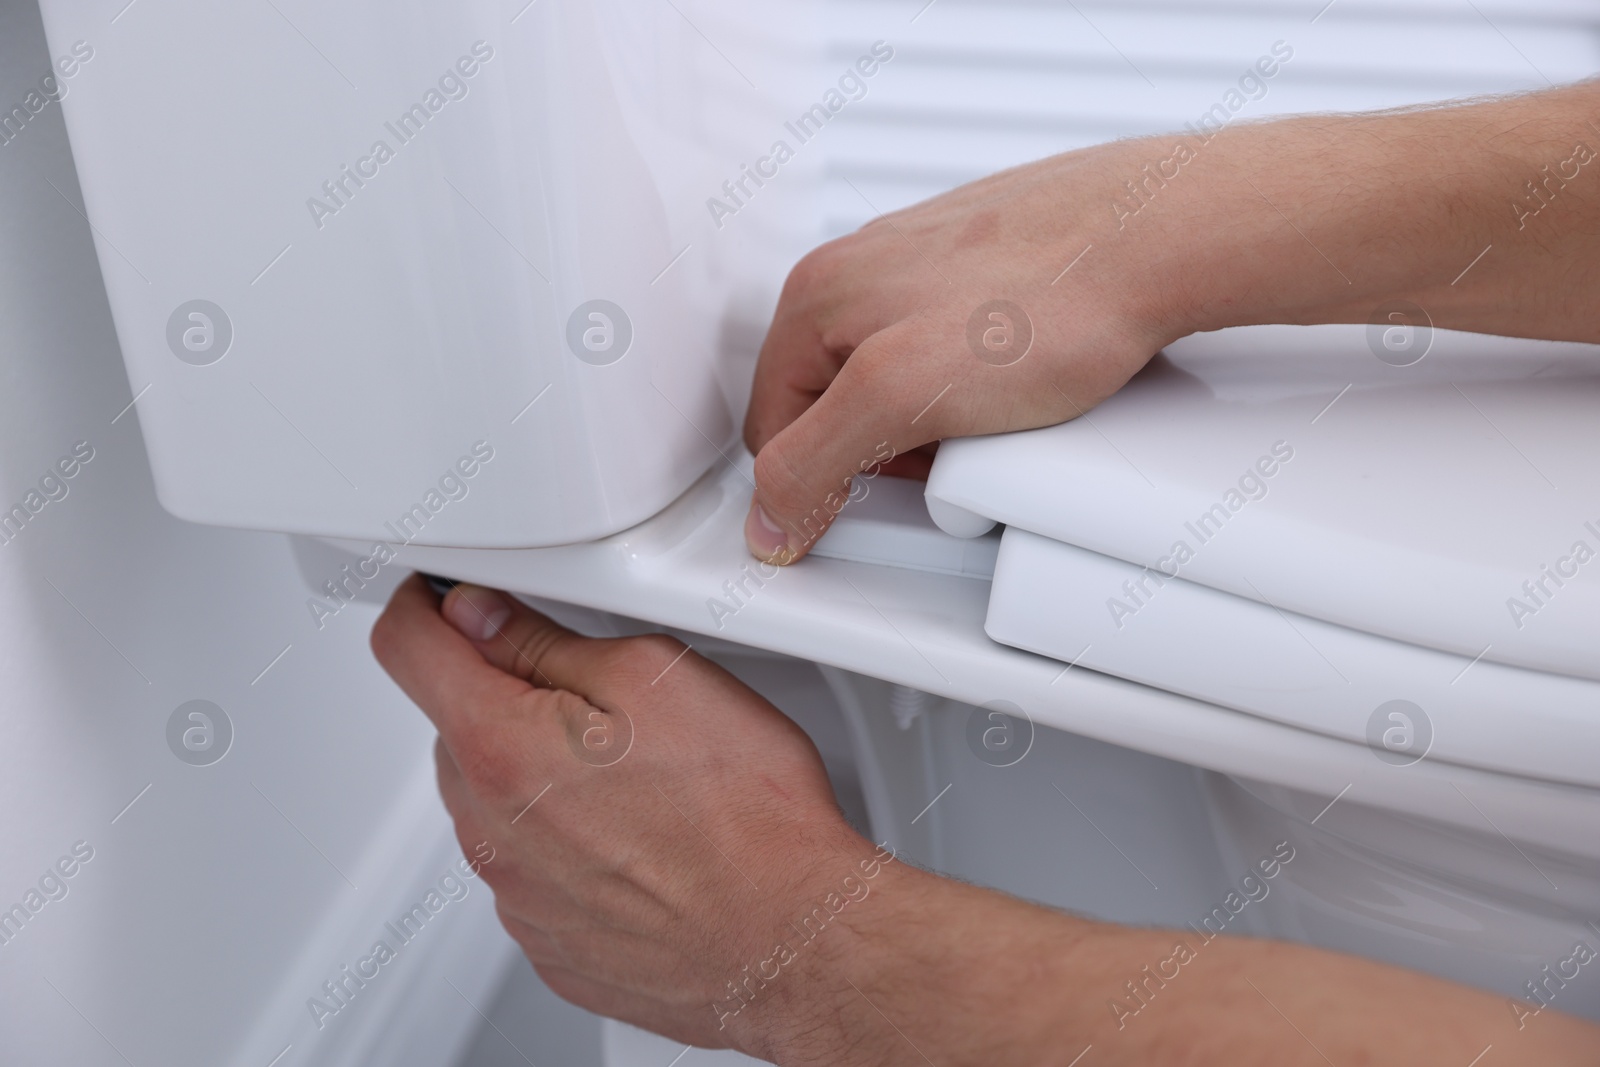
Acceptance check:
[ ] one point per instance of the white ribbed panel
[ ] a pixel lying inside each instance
(977, 85)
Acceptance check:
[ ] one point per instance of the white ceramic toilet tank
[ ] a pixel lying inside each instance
(474, 249)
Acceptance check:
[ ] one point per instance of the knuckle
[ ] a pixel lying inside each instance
(630, 658)
(782, 483)
(533, 643)
(809, 274)
(569, 707)
(658, 649)
(468, 838)
(872, 371)
(820, 270)
(383, 637)
(613, 658)
(658, 653)
(491, 767)
(898, 374)
(803, 502)
(878, 367)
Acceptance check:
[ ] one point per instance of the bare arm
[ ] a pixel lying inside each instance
(1485, 215)
(968, 976)
(686, 869)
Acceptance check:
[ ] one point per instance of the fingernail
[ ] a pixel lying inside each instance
(765, 538)
(477, 612)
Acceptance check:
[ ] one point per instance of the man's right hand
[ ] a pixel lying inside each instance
(1026, 298)
(997, 306)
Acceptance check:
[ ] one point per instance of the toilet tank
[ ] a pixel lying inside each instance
(441, 271)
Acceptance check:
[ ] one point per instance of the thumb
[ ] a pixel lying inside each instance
(874, 410)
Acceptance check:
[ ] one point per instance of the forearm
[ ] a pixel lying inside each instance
(1485, 215)
(942, 972)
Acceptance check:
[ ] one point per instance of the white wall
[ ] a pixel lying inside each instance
(979, 85)
(217, 902)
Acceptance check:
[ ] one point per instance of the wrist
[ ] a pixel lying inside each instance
(931, 969)
(830, 940)
(813, 939)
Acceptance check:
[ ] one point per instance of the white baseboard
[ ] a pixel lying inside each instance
(422, 1007)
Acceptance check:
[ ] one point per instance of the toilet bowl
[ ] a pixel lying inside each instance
(1282, 522)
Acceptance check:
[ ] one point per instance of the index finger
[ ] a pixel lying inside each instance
(834, 299)
(871, 414)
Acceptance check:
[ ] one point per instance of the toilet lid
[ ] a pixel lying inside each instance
(1453, 503)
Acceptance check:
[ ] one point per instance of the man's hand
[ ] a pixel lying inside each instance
(657, 826)
(668, 852)
(955, 317)
(1028, 297)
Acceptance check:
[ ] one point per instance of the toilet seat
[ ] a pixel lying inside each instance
(1322, 495)
(891, 604)
(1246, 655)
